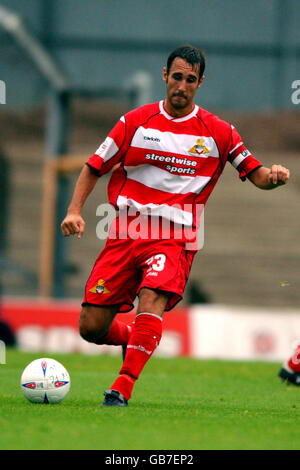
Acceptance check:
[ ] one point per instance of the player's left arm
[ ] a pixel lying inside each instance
(269, 178)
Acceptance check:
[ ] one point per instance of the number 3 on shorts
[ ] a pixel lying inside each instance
(157, 262)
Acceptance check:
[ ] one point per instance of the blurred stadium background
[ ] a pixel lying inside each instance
(70, 70)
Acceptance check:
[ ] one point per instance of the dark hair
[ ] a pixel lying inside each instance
(190, 54)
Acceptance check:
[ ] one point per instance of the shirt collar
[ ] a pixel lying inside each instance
(179, 119)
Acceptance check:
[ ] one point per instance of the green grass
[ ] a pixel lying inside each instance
(178, 404)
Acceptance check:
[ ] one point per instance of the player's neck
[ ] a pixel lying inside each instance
(178, 113)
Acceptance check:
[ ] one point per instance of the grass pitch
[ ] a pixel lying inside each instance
(178, 404)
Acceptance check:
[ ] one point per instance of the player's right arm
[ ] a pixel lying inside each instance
(106, 158)
(73, 222)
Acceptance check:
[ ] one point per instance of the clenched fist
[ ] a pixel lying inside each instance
(72, 224)
(279, 175)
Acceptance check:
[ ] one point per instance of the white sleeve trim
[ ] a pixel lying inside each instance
(107, 149)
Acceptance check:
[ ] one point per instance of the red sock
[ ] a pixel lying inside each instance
(294, 361)
(119, 333)
(143, 341)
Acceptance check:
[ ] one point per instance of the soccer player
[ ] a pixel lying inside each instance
(166, 159)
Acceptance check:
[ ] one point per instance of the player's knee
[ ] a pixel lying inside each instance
(88, 334)
(92, 335)
(92, 328)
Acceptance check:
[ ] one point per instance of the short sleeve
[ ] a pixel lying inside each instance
(240, 157)
(110, 151)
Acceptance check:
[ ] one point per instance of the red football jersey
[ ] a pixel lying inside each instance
(169, 165)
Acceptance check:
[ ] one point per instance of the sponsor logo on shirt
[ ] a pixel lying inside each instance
(152, 139)
(184, 162)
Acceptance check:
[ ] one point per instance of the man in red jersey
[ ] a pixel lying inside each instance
(167, 158)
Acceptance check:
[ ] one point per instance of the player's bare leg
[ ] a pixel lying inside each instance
(152, 301)
(98, 325)
(143, 341)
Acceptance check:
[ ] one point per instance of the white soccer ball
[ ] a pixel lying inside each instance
(45, 381)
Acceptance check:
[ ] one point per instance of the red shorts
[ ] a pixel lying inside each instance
(125, 266)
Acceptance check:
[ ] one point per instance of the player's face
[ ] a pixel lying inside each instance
(182, 83)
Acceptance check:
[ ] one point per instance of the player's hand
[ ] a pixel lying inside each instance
(72, 224)
(279, 175)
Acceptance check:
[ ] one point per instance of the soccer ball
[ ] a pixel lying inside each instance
(45, 381)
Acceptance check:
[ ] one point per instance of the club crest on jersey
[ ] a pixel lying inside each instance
(199, 148)
(99, 288)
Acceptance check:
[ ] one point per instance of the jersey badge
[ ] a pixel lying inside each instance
(199, 148)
